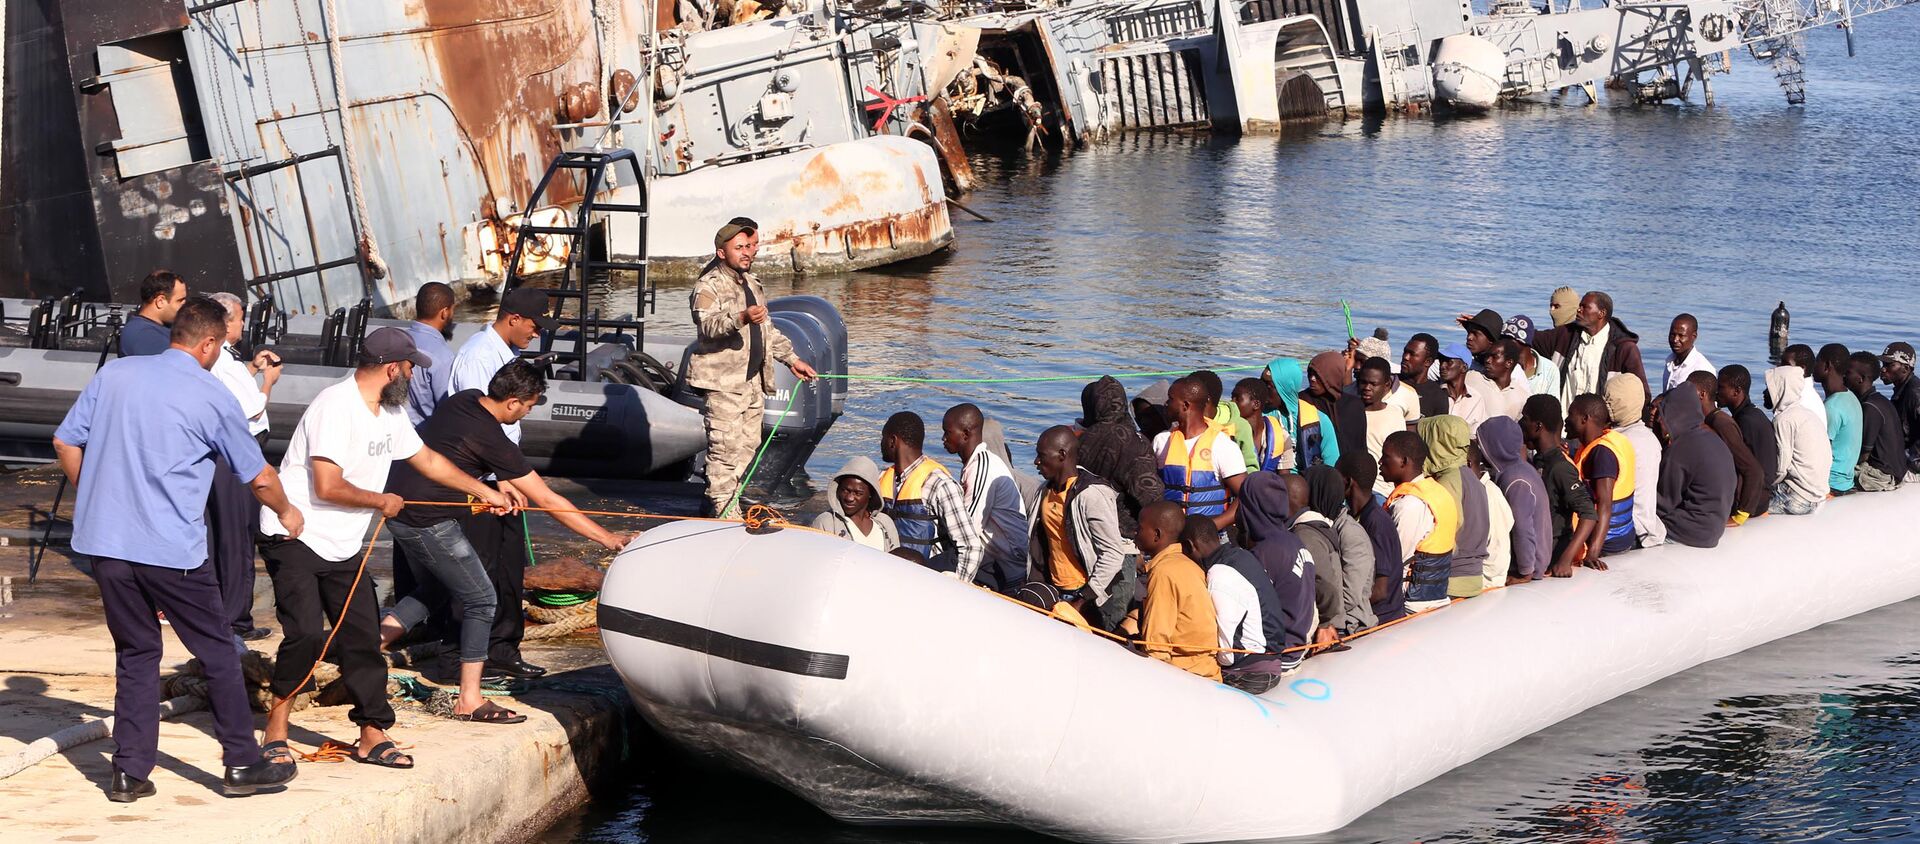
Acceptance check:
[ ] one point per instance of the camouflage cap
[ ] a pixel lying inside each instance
(733, 227)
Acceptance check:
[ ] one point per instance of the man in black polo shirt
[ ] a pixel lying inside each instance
(466, 427)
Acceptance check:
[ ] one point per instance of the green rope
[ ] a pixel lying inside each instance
(526, 533)
(559, 600)
(793, 395)
(1033, 379)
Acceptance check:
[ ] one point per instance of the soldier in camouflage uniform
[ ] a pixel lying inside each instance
(729, 360)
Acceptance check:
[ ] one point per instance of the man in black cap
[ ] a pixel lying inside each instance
(521, 318)
(1482, 330)
(728, 363)
(334, 470)
(1896, 369)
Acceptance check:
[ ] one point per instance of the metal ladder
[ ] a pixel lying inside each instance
(577, 309)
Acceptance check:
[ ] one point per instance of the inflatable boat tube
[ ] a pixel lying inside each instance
(886, 693)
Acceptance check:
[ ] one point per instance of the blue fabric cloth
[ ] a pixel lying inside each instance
(480, 357)
(429, 382)
(151, 427)
(1289, 378)
(142, 336)
(1844, 427)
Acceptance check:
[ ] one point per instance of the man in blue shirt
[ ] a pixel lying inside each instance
(432, 326)
(522, 316)
(146, 432)
(161, 294)
(1844, 423)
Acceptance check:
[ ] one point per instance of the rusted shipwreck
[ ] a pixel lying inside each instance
(328, 152)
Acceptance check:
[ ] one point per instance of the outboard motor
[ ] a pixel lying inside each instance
(819, 337)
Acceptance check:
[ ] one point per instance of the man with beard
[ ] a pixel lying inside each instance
(334, 469)
(431, 328)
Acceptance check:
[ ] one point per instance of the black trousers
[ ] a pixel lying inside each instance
(501, 544)
(233, 519)
(308, 591)
(131, 593)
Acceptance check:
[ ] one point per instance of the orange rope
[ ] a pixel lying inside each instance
(1195, 650)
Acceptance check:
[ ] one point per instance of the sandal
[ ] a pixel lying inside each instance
(488, 713)
(279, 753)
(386, 755)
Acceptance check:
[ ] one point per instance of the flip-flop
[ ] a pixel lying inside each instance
(384, 754)
(277, 751)
(489, 713)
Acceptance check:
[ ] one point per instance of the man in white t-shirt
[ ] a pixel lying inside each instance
(1205, 476)
(232, 512)
(1376, 382)
(334, 467)
(1682, 358)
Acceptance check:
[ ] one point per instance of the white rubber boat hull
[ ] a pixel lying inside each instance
(884, 692)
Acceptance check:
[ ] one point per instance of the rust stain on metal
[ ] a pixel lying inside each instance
(505, 64)
(946, 143)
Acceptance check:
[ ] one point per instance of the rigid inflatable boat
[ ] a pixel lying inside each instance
(631, 416)
(884, 692)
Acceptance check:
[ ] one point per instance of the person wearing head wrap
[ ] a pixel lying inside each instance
(1264, 515)
(1697, 479)
(1446, 438)
(1288, 377)
(1563, 304)
(1626, 404)
(1332, 419)
(1343, 579)
(1112, 448)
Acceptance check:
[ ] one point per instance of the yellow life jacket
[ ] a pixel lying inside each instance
(907, 504)
(1189, 476)
(1446, 513)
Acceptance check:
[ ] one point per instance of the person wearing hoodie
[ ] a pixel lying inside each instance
(1287, 378)
(1386, 597)
(993, 498)
(1591, 347)
(1806, 456)
(1264, 517)
(1112, 447)
(1750, 489)
(1625, 397)
(1245, 608)
(1073, 535)
(1697, 478)
(853, 510)
(1801, 355)
(1526, 496)
(1425, 515)
(1342, 554)
(1177, 622)
(1446, 438)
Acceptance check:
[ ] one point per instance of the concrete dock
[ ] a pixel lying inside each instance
(471, 783)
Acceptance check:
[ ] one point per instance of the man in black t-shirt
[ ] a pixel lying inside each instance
(455, 553)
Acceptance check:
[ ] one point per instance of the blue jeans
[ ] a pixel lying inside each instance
(448, 561)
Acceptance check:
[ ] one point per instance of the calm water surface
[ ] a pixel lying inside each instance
(1176, 252)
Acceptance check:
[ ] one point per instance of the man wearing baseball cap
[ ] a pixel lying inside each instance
(1896, 369)
(334, 470)
(521, 318)
(729, 361)
(1543, 377)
